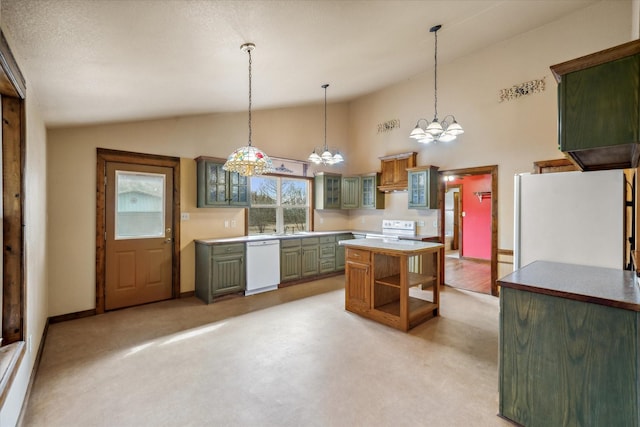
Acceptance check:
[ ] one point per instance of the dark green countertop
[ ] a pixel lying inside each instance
(598, 285)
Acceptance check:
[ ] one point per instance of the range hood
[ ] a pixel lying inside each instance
(599, 108)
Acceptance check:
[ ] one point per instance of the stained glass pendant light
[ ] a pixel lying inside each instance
(446, 130)
(248, 160)
(326, 157)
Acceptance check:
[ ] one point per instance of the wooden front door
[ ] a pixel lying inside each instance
(139, 234)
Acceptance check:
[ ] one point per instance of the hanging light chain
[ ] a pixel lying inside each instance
(435, 71)
(249, 51)
(325, 116)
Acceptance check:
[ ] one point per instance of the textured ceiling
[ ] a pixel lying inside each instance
(93, 61)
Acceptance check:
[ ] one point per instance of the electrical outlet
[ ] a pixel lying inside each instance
(435, 224)
(233, 223)
(420, 223)
(321, 220)
(184, 216)
(226, 223)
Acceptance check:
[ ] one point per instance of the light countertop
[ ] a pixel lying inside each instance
(302, 234)
(393, 245)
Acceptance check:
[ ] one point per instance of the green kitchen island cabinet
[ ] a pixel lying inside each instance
(569, 349)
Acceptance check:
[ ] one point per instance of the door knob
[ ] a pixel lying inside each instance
(168, 240)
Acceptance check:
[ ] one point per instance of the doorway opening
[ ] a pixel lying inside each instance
(137, 229)
(469, 226)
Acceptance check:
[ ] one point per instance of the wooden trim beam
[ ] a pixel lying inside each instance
(13, 214)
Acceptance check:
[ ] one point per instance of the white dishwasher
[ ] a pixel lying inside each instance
(263, 266)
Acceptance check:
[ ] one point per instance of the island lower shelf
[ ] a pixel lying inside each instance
(393, 284)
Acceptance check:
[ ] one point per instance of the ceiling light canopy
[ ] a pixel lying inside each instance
(326, 157)
(436, 131)
(248, 160)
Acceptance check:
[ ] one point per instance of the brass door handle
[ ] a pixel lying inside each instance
(168, 240)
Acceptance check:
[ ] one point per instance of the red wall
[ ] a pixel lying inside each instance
(476, 223)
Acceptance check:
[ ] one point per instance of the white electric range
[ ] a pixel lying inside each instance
(394, 229)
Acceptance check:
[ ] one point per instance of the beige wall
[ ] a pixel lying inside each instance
(511, 134)
(72, 168)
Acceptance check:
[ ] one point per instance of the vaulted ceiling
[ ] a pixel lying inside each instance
(94, 61)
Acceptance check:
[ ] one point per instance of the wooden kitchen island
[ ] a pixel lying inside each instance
(569, 346)
(379, 275)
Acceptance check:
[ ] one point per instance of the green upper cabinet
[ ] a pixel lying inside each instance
(599, 108)
(370, 196)
(219, 188)
(350, 192)
(423, 187)
(328, 190)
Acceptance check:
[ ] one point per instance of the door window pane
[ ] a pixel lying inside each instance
(140, 202)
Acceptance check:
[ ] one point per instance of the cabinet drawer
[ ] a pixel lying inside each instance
(290, 243)
(236, 248)
(328, 250)
(358, 255)
(310, 241)
(327, 265)
(327, 239)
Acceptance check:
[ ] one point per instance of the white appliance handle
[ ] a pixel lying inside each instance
(517, 180)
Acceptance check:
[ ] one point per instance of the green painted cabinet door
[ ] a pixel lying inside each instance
(423, 187)
(567, 363)
(340, 250)
(328, 191)
(310, 256)
(350, 192)
(228, 274)
(220, 270)
(599, 106)
(370, 196)
(290, 255)
(219, 188)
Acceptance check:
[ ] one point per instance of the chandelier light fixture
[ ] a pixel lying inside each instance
(326, 157)
(248, 160)
(437, 131)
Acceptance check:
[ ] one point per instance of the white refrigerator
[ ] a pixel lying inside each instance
(570, 217)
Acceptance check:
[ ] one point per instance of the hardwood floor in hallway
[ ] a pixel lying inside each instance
(471, 275)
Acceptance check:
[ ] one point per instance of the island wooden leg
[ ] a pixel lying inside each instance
(438, 274)
(404, 293)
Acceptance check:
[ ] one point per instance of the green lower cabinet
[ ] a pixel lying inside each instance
(220, 270)
(290, 255)
(327, 254)
(340, 252)
(306, 257)
(565, 362)
(310, 256)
